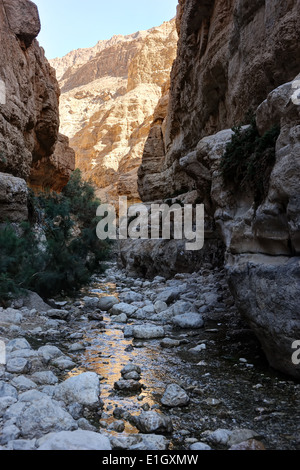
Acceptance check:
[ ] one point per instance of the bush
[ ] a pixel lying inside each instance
(68, 255)
(249, 159)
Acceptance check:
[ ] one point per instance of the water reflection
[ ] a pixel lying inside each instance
(109, 352)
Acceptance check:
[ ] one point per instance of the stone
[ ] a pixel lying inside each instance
(198, 349)
(131, 296)
(199, 446)
(10, 316)
(85, 425)
(175, 396)
(250, 444)
(30, 396)
(169, 343)
(91, 302)
(18, 365)
(151, 422)
(241, 435)
(106, 303)
(76, 440)
(5, 403)
(168, 296)
(32, 300)
(83, 389)
(58, 314)
(95, 316)
(63, 363)
(43, 416)
(23, 383)
(147, 331)
(128, 385)
(117, 426)
(44, 378)
(9, 433)
(18, 343)
(130, 367)
(160, 306)
(76, 347)
(49, 352)
(122, 307)
(7, 390)
(23, 444)
(131, 376)
(128, 331)
(151, 442)
(189, 321)
(119, 318)
(220, 437)
(75, 410)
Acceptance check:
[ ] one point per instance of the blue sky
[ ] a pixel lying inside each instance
(71, 24)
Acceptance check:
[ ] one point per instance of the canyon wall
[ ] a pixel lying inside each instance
(30, 147)
(231, 54)
(234, 59)
(109, 94)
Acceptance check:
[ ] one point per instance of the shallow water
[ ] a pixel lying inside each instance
(225, 392)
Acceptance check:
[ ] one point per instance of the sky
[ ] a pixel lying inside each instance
(73, 24)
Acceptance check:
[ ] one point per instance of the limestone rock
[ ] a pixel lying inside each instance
(175, 396)
(23, 19)
(83, 389)
(29, 119)
(109, 93)
(43, 416)
(148, 331)
(222, 46)
(13, 198)
(74, 440)
(151, 422)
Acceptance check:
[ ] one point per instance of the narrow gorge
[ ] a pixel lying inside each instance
(140, 344)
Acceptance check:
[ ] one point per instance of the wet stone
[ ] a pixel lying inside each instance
(128, 385)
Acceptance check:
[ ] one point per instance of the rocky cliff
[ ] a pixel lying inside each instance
(30, 147)
(236, 58)
(109, 94)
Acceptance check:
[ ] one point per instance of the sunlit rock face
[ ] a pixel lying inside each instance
(109, 94)
(29, 95)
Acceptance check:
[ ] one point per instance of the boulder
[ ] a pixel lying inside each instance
(106, 303)
(74, 440)
(175, 396)
(188, 321)
(83, 389)
(151, 422)
(148, 331)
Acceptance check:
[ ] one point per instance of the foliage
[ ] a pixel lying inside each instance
(61, 260)
(249, 159)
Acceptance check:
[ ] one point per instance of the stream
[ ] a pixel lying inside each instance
(229, 382)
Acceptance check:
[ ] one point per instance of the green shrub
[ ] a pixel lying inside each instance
(249, 159)
(69, 254)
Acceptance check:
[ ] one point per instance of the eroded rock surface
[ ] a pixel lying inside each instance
(29, 118)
